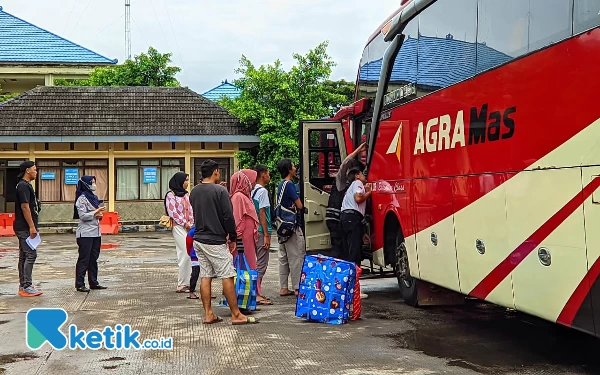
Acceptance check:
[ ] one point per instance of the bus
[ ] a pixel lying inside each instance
(483, 131)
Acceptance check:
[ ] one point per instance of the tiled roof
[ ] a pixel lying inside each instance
(441, 62)
(115, 111)
(22, 42)
(224, 89)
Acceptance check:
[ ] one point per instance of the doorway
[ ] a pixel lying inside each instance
(8, 183)
(224, 167)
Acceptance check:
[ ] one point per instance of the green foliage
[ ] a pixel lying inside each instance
(7, 97)
(274, 101)
(147, 69)
(343, 88)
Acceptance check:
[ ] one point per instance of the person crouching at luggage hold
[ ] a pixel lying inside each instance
(353, 213)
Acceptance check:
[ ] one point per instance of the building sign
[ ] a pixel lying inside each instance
(150, 175)
(48, 176)
(71, 176)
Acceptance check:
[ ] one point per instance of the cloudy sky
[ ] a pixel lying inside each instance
(207, 38)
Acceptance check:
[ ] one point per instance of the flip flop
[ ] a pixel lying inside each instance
(183, 290)
(265, 302)
(249, 320)
(289, 293)
(217, 319)
(189, 297)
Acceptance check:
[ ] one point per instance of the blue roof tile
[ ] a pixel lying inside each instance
(441, 62)
(22, 42)
(224, 89)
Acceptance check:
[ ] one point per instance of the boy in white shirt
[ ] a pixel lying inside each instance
(353, 213)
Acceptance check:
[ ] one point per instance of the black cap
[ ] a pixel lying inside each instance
(25, 166)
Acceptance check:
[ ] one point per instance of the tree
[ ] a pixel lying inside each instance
(147, 69)
(341, 87)
(274, 101)
(6, 97)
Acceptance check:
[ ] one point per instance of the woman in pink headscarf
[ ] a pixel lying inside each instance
(244, 213)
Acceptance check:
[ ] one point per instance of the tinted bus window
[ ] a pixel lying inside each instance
(446, 52)
(550, 21)
(587, 15)
(502, 32)
(403, 80)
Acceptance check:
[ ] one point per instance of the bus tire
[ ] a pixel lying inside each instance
(407, 283)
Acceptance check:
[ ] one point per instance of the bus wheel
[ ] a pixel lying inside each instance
(407, 284)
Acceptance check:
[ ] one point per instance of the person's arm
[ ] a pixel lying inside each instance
(290, 191)
(227, 212)
(361, 195)
(82, 210)
(341, 175)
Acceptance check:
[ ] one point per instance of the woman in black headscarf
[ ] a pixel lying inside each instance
(178, 207)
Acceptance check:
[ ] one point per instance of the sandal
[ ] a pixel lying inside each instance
(289, 293)
(217, 319)
(249, 320)
(266, 302)
(185, 289)
(195, 297)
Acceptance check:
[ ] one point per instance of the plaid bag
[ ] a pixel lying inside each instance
(246, 284)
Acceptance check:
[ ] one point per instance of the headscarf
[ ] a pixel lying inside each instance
(84, 187)
(241, 188)
(176, 184)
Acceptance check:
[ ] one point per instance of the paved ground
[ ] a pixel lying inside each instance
(392, 338)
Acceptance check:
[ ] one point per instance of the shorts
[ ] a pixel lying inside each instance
(215, 261)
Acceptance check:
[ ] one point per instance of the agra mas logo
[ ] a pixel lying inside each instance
(396, 146)
(43, 325)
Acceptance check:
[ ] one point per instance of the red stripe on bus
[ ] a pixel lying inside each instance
(574, 303)
(498, 274)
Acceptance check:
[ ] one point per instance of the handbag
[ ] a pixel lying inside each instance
(286, 218)
(165, 220)
(246, 284)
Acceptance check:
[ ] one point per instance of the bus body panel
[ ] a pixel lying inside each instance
(530, 127)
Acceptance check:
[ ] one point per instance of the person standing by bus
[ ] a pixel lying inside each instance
(25, 226)
(336, 196)
(353, 213)
(293, 248)
(260, 196)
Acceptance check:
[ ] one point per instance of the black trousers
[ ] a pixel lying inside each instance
(337, 238)
(27, 257)
(89, 252)
(353, 236)
(194, 277)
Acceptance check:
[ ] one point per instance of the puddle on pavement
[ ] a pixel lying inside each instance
(109, 246)
(495, 341)
(12, 358)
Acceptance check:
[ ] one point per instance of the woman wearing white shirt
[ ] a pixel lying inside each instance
(353, 213)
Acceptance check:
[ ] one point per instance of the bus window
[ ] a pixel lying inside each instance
(587, 15)
(501, 32)
(550, 21)
(446, 53)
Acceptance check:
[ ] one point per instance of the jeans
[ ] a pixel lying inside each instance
(27, 257)
(89, 252)
(353, 236)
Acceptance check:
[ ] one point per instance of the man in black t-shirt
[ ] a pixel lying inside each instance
(26, 226)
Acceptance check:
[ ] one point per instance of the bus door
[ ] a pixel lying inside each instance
(322, 149)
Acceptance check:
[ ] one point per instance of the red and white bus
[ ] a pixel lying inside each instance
(483, 124)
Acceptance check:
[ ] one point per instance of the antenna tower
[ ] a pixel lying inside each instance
(128, 29)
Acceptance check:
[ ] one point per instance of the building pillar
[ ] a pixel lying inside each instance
(189, 168)
(32, 158)
(236, 164)
(49, 80)
(111, 177)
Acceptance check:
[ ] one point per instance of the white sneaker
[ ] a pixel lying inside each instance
(364, 296)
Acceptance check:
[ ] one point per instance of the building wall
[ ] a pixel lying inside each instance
(130, 210)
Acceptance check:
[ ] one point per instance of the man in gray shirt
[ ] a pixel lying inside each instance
(214, 240)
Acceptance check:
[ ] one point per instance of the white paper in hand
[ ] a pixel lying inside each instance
(35, 242)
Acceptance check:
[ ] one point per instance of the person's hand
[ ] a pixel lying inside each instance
(366, 239)
(362, 147)
(368, 188)
(99, 215)
(232, 246)
(267, 244)
(99, 210)
(223, 183)
(187, 226)
(32, 232)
